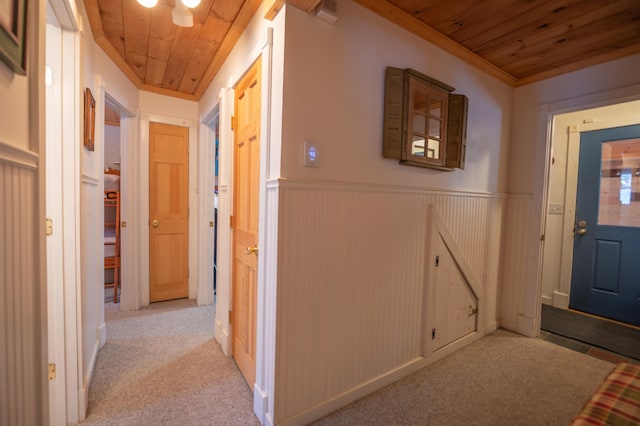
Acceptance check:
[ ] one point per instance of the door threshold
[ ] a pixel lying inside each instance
(586, 314)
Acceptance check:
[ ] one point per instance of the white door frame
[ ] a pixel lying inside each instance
(129, 268)
(546, 115)
(567, 129)
(63, 182)
(206, 157)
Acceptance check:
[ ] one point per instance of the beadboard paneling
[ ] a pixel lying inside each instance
(20, 310)
(93, 325)
(515, 255)
(351, 280)
(267, 291)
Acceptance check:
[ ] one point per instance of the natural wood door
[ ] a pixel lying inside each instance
(168, 212)
(245, 222)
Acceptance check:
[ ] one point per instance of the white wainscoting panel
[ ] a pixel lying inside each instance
(20, 292)
(351, 277)
(515, 259)
(267, 293)
(92, 235)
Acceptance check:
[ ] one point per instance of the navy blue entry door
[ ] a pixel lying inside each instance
(606, 249)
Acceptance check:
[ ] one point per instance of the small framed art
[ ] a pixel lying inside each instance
(89, 119)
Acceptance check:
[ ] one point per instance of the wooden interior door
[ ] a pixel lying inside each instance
(245, 221)
(168, 212)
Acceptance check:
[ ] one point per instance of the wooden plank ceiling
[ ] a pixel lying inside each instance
(517, 41)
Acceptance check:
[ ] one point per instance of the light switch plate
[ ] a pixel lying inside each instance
(311, 154)
(556, 209)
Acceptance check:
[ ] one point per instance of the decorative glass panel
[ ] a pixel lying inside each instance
(435, 107)
(620, 184)
(420, 101)
(417, 147)
(433, 149)
(434, 128)
(419, 124)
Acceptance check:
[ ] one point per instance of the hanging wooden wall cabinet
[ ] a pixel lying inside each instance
(425, 124)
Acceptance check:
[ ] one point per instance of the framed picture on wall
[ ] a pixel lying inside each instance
(89, 119)
(12, 34)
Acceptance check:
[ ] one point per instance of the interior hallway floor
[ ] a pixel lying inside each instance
(162, 366)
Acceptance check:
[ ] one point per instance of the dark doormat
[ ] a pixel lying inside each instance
(603, 334)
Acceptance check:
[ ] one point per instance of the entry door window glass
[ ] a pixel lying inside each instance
(620, 184)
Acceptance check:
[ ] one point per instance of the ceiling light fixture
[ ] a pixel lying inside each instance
(181, 15)
(148, 3)
(190, 3)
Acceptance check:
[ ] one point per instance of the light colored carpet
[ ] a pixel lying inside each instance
(502, 379)
(162, 366)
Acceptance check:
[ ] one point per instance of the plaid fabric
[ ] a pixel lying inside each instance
(617, 401)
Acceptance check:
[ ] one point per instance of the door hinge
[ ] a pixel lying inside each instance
(433, 333)
(52, 371)
(234, 122)
(437, 261)
(230, 317)
(188, 272)
(49, 227)
(230, 221)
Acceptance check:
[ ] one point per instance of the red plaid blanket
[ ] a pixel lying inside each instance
(617, 401)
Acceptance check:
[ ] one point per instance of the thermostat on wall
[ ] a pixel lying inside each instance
(310, 154)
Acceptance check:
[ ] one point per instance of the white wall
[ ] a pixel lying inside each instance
(101, 76)
(352, 236)
(14, 108)
(334, 83)
(111, 146)
(153, 103)
(534, 105)
(23, 290)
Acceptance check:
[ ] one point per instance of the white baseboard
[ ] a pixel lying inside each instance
(83, 393)
(524, 326)
(268, 421)
(102, 332)
(560, 300)
(377, 383)
(260, 403)
(507, 325)
(546, 300)
(222, 336)
(491, 327)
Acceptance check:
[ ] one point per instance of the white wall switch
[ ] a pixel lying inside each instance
(311, 154)
(556, 208)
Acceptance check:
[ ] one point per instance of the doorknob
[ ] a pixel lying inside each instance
(155, 223)
(582, 228)
(253, 249)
